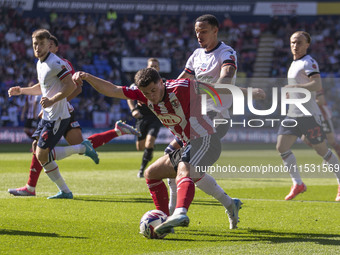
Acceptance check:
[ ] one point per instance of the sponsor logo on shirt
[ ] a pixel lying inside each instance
(203, 67)
(169, 119)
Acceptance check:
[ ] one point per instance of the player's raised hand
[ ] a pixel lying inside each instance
(14, 91)
(78, 77)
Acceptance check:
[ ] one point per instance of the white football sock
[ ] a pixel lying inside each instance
(30, 188)
(66, 151)
(173, 194)
(333, 161)
(289, 162)
(180, 210)
(52, 170)
(208, 184)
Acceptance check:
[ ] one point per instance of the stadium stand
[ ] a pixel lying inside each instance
(95, 43)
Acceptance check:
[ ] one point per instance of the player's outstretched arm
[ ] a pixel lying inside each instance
(17, 91)
(102, 86)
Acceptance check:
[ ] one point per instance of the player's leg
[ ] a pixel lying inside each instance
(328, 128)
(142, 127)
(161, 168)
(287, 136)
(316, 135)
(332, 141)
(47, 140)
(331, 160)
(34, 173)
(61, 152)
(120, 129)
(208, 184)
(174, 145)
(284, 143)
(185, 195)
(205, 182)
(52, 170)
(73, 135)
(147, 155)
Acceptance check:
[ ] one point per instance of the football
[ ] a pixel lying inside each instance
(149, 221)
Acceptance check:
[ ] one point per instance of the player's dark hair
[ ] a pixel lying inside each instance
(211, 19)
(41, 34)
(305, 34)
(55, 40)
(146, 76)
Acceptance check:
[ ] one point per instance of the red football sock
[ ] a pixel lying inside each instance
(35, 171)
(159, 194)
(102, 138)
(185, 192)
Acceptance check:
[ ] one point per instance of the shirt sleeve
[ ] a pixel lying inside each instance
(69, 66)
(228, 57)
(189, 66)
(60, 69)
(311, 67)
(134, 93)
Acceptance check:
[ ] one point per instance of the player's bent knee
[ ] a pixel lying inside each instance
(43, 156)
(148, 173)
(279, 148)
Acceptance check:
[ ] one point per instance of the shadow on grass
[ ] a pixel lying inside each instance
(31, 233)
(138, 200)
(257, 236)
(115, 199)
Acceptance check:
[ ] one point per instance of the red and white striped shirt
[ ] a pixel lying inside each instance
(33, 106)
(180, 109)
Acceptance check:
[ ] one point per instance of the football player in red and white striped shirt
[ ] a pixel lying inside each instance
(178, 107)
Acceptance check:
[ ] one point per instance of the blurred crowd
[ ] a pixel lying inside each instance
(96, 43)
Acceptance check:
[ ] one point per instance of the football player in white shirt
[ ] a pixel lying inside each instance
(214, 62)
(73, 135)
(55, 84)
(303, 73)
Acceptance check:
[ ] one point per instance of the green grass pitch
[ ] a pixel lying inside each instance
(103, 218)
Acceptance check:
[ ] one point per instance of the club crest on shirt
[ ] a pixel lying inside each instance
(175, 103)
(232, 57)
(314, 66)
(203, 67)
